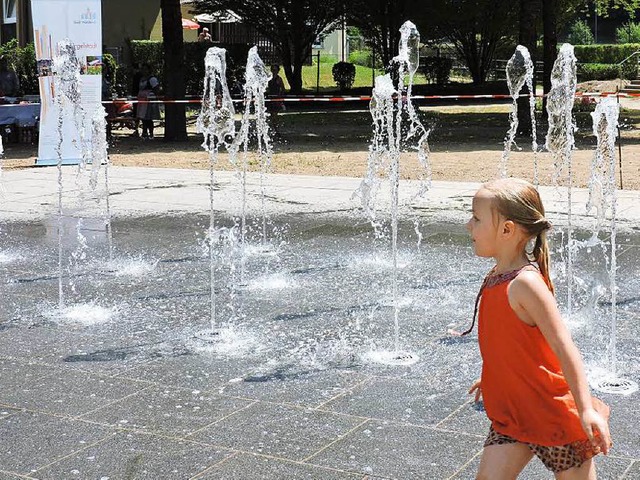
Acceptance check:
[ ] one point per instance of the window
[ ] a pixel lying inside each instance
(9, 11)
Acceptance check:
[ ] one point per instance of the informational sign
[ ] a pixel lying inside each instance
(79, 21)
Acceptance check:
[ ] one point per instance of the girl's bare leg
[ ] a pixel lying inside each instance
(503, 462)
(586, 471)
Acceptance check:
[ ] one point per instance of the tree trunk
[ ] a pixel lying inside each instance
(174, 83)
(527, 38)
(292, 66)
(550, 45)
(295, 82)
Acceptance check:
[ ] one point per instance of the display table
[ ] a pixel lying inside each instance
(19, 122)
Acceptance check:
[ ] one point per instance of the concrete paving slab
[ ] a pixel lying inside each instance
(632, 472)
(156, 190)
(170, 411)
(623, 426)
(278, 430)
(413, 401)
(397, 451)
(243, 466)
(10, 476)
(67, 392)
(197, 372)
(133, 455)
(312, 391)
(57, 438)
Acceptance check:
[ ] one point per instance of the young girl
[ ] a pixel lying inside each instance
(533, 382)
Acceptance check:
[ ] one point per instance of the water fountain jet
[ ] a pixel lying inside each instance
(603, 199)
(389, 105)
(560, 142)
(520, 72)
(216, 123)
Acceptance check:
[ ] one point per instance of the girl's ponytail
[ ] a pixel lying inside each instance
(542, 258)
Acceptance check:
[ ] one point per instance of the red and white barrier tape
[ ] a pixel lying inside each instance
(366, 98)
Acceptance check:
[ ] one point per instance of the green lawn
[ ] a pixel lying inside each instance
(363, 77)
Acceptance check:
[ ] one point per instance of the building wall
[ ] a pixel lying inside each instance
(124, 20)
(332, 45)
(188, 35)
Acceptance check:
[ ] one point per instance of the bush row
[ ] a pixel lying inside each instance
(602, 53)
(606, 71)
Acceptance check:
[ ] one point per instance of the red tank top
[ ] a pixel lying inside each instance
(525, 394)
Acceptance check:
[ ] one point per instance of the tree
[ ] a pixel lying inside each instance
(174, 83)
(475, 28)
(175, 118)
(604, 7)
(549, 44)
(580, 33)
(291, 25)
(379, 22)
(528, 14)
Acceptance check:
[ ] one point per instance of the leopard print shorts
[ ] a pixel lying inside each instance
(557, 459)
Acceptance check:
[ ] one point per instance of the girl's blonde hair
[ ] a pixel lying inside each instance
(519, 201)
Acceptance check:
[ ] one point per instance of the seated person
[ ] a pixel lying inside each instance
(9, 83)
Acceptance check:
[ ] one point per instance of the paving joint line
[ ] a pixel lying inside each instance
(79, 417)
(346, 392)
(627, 470)
(102, 440)
(215, 465)
(466, 464)
(340, 437)
(20, 475)
(221, 419)
(457, 410)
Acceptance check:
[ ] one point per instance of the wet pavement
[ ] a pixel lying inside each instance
(123, 383)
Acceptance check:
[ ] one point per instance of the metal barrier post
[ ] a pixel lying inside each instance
(318, 74)
(619, 139)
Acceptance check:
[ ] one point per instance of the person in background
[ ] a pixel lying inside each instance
(204, 36)
(9, 83)
(148, 88)
(135, 87)
(275, 90)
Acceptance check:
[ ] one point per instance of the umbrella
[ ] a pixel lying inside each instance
(189, 25)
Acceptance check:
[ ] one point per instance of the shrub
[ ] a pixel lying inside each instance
(344, 74)
(109, 72)
(436, 69)
(584, 104)
(23, 61)
(580, 34)
(360, 57)
(629, 69)
(628, 33)
(598, 71)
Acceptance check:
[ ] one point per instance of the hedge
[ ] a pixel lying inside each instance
(151, 52)
(606, 71)
(602, 53)
(598, 71)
